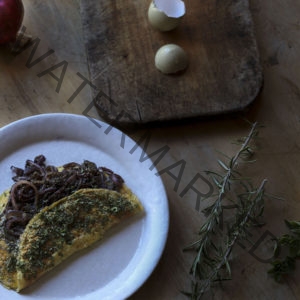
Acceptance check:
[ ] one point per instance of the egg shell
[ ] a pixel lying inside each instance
(172, 8)
(171, 59)
(160, 21)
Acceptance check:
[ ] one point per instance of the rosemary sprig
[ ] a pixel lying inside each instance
(285, 265)
(236, 232)
(214, 245)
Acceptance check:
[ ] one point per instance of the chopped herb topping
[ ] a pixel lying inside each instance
(84, 212)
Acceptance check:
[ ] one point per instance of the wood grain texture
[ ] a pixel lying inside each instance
(224, 73)
(277, 28)
(23, 92)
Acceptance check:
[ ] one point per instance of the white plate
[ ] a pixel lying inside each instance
(119, 265)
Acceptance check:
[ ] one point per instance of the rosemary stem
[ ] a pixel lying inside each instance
(234, 161)
(217, 207)
(230, 246)
(245, 144)
(211, 257)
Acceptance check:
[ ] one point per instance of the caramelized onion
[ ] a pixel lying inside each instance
(39, 185)
(18, 195)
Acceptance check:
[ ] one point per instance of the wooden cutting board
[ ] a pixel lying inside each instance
(224, 73)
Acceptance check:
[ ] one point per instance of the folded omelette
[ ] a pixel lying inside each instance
(36, 235)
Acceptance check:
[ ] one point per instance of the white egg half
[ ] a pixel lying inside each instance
(171, 59)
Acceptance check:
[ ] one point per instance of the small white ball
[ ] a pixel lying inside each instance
(160, 21)
(171, 59)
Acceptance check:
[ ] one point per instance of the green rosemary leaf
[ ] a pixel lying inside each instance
(209, 197)
(248, 161)
(216, 181)
(294, 226)
(213, 173)
(223, 165)
(228, 267)
(274, 197)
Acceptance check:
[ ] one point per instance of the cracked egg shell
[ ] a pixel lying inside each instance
(160, 21)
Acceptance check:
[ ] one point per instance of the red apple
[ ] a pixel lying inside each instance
(11, 18)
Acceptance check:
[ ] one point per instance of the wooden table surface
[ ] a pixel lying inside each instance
(24, 93)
